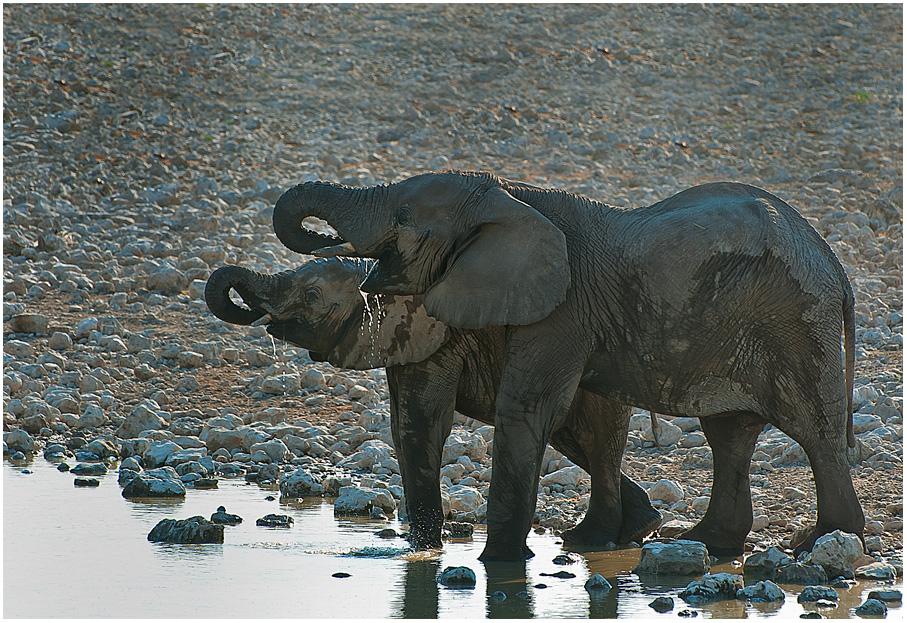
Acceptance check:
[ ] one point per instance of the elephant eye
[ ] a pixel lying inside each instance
(312, 295)
(403, 217)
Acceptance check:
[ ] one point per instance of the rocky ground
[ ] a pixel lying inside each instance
(144, 146)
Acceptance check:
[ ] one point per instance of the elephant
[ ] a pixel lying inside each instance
(720, 302)
(432, 369)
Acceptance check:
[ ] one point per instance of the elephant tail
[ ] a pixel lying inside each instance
(849, 356)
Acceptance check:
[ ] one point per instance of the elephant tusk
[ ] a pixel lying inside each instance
(344, 249)
(263, 320)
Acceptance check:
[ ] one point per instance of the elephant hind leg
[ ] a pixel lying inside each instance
(838, 506)
(729, 517)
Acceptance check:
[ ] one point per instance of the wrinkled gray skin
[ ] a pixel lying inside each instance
(720, 302)
(431, 370)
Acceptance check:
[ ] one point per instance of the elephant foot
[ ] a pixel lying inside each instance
(638, 522)
(420, 540)
(720, 543)
(503, 554)
(586, 534)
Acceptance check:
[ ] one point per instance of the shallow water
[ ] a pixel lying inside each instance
(87, 547)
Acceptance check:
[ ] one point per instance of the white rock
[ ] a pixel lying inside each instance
(275, 450)
(360, 500)
(464, 444)
(836, 552)
(92, 417)
(566, 477)
(666, 491)
(675, 558)
(145, 416)
(464, 499)
(299, 484)
(158, 453)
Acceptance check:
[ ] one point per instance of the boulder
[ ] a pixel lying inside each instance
(193, 530)
(457, 577)
(597, 584)
(565, 477)
(220, 437)
(146, 416)
(662, 604)
(188, 455)
(876, 571)
(274, 521)
(87, 482)
(89, 469)
(464, 499)
(464, 444)
(766, 563)
(666, 491)
(804, 573)
(882, 594)
(158, 452)
(369, 452)
(815, 593)
(872, 608)
(680, 557)
(103, 448)
(275, 450)
(764, 591)
(162, 482)
(712, 587)
(836, 552)
(360, 500)
(221, 516)
(299, 484)
(92, 417)
(20, 441)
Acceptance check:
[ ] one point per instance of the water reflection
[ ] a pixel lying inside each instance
(509, 579)
(420, 590)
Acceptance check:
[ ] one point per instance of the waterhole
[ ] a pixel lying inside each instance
(73, 552)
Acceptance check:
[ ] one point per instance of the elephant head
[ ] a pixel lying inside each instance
(318, 306)
(478, 254)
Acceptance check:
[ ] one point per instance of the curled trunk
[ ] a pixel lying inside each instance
(247, 283)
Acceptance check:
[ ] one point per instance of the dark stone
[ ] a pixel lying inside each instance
(811, 615)
(540, 585)
(567, 559)
(662, 604)
(458, 529)
(564, 575)
(885, 595)
(872, 608)
(86, 482)
(801, 573)
(224, 518)
(815, 593)
(387, 533)
(458, 577)
(205, 483)
(340, 574)
(92, 469)
(193, 530)
(275, 521)
(63, 467)
(688, 613)
(155, 483)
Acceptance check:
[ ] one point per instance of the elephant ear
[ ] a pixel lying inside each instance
(512, 270)
(394, 331)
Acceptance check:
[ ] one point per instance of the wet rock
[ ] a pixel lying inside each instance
(569, 558)
(563, 575)
(712, 588)
(815, 593)
(275, 521)
(86, 482)
(891, 594)
(801, 573)
(341, 574)
(89, 469)
(221, 516)
(457, 577)
(764, 591)
(876, 571)
(597, 584)
(766, 563)
(299, 484)
(457, 529)
(162, 482)
(193, 530)
(360, 500)
(872, 608)
(662, 604)
(676, 558)
(387, 533)
(836, 552)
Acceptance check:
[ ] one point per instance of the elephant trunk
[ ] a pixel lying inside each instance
(341, 206)
(254, 288)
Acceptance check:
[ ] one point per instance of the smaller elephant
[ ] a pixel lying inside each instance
(432, 369)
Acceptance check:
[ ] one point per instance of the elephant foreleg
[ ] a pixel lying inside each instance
(422, 400)
(729, 517)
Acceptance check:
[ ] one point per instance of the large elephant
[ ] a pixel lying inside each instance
(431, 370)
(720, 302)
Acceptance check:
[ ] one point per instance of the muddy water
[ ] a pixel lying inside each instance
(82, 552)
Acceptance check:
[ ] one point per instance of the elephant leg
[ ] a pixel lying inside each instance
(422, 400)
(532, 401)
(594, 438)
(729, 517)
(837, 505)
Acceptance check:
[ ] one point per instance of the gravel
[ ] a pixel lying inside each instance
(144, 146)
